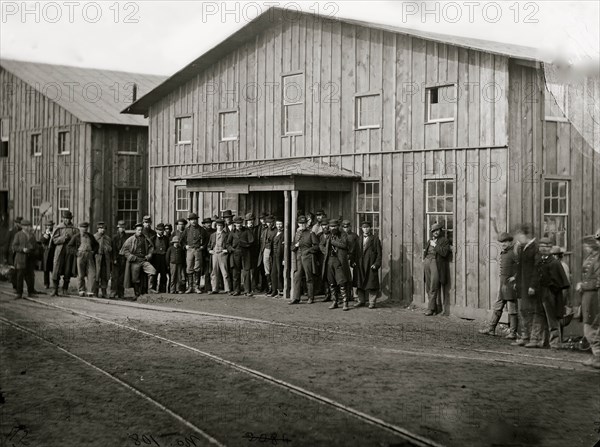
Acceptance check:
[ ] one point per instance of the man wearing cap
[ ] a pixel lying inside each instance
(589, 289)
(207, 262)
(436, 267)
(277, 259)
(352, 256)
(48, 257)
(194, 240)
(103, 260)
(558, 253)
(138, 251)
(264, 258)
(335, 264)
(305, 246)
(159, 259)
(180, 228)
(254, 250)
(175, 257)
(85, 246)
(148, 231)
(218, 250)
(506, 294)
(368, 263)
(238, 245)
(117, 289)
(24, 246)
(10, 254)
(317, 228)
(168, 231)
(65, 261)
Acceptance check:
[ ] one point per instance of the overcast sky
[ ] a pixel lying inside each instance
(161, 37)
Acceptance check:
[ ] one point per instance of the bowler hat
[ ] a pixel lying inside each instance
(320, 213)
(25, 223)
(206, 220)
(227, 213)
(169, 226)
(437, 226)
(365, 223)
(263, 215)
(302, 219)
(334, 222)
(18, 219)
(174, 239)
(219, 222)
(238, 220)
(84, 225)
(269, 219)
(49, 223)
(160, 226)
(505, 237)
(556, 250)
(121, 224)
(545, 241)
(66, 214)
(250, 216)
(192, 216)
(147, 218)
(182, 221)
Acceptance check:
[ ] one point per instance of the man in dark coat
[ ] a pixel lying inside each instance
(24, 246)
(103, 260)
(48, 256)
(138, 250)
(194, 240)
(277, 259)
(118, 270)
(352, 256)
(254, 250)
(10, 254)
(305, 247)
(207, 263)
(335, 264)
(267, 233)
(65, 261)
(368, 263)
(239, 241)
(159, 257)
(436, 258)
(85, 246)
(148, 231)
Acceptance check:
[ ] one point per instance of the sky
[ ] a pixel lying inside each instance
(161, 37)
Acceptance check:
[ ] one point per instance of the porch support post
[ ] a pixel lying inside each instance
(294, 213)
(286, 239)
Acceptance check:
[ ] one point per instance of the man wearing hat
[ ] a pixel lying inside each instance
(352, 255)
(194, 240)
(85, 246)
(159, 257)
(207, 262)
(228, 218)
(305, 246)
(181, 224)
(138, 251)
(368, 263)
(218, 250)
(168, 231)
(254, 250)
(148, 231)
(65, 262)
(10, 257)
(103, 260)
(436, 265)
(317, 228)
(558, 253)
(335, 264)
(48, 257)
(277, 258)
(24, 246)
(589, 289)
(506, 294)
(118, 268)
(175, 257)
(267, 234)
(239, 241)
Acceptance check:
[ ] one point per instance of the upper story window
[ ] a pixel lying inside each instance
(4, 137)
(63, 143)
(292, 96)
(36, 202)
(183, 130)
(367, 111)
(128, 141)
(36, 144)
(228, 125)
(64, 201)
(367, 205)
(182, 201)
(439, 103)
(556, 102)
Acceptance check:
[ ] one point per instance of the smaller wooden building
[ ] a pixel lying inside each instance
(66, 146)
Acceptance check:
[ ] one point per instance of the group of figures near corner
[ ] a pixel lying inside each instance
(230, 253)
(534, 283)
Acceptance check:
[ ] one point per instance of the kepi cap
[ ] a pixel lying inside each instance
(505, 237)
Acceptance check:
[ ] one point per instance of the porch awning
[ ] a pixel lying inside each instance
(289, 174)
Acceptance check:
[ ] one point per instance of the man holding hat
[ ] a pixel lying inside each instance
(103, 260)
(305, 246)
(368, 263)
(65, 261)
(218, 250)
(85, 246)
(118, 268)
(159, 257)
(194, 240)
(335, 264)
(138, 251)
(589, 289)
(24, 247)
(506, 294)
(48, 257)
(238, 245)
(436, 260)
(207, 262)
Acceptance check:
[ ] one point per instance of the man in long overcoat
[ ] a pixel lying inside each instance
(138, 251)
(335, 264)
(65, 260)
(103, 260)
(368, 263)
(48, 254)
(436, 258)
(25, 247)
(306, 246)
(118, 269)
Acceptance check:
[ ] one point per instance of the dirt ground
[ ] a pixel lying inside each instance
(436, 377)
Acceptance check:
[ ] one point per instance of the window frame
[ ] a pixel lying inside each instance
(428, 89)
(67, 140)
(428, 213)
(364, 211)
(222, 114)
(4, 137)
(58, 197)
(228, 196)
(178, 120)
(137, 210)
(357, 98)
(37, 188)
(130, 131)
(559, 119)
(285, 104)
(179, 188)
(37, 136)
(566, 214)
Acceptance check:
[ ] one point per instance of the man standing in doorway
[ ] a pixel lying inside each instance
(436, 260)
(306, 245)
(118, 269)
(103, 260)
(65, 263)
(194, 240)
(48, 256)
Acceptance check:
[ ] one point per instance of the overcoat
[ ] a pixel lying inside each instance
(133, 266)
(21, 241)
(48, 254)
(340, 242)
(443, 250)
(368, 254)
(64, 259)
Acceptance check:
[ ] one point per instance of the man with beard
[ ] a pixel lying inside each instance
(305, 246)
(118, 268)
(103, 260)
(159, 257)
(264, 257)
(436, 260)
(194, 240)
(335, 264)
(65, 263)
(148, 231)
(24, 246)
(48, 256)
(138, 251)
(368, 263)
(238, 244)
(207, 263)
(277, 258)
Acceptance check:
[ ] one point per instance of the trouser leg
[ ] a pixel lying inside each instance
(91, 275)
(81, 272)
(19, 276)
(592, 334)
(47, 279)
(30, 277)
(549, 308)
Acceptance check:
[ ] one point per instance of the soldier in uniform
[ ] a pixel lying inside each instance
(137, 251)
(238, 245)
(306, 245)
(86, 247)
(335, 264)
(207, 262)
(24, 247)
(436, 259)
(180, 228)
(48, 256)
(277, 259)
(194, 240)
(65, 261)
(148, 231)
(368, 263)
(589, 289)
(352, 256)
(159, 260)
(118, 268)
(217, 248)
(103, 260)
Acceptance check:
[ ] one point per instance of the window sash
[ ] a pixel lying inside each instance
(127, 142)
(63, 143)
(4, 129)
(292, 96)
(36, 148)
(229, 126)
(368, 205)
(368, 111)
(443, 109)
(183, 130)
(555, 209)
(439, 204)
(181, 199)
(128, 207)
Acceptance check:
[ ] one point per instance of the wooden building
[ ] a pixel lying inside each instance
(65, 144)
(402, 127)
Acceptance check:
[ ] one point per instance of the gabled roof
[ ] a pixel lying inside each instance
(75, 89)
(274, 16)
(278, 168)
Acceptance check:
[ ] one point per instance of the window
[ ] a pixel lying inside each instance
(367, 111)
(127, 143)
(128, 207)
(4, 138)
(183, 130)
(181, 202)
(36, 145)
(556, 211)
(439, 205)
(293, 104)
(367, 206)
(228, 123)
(556, 102)
(64, 201)
(440, 103)
(36, 201)
(63, 143)
(228, 201)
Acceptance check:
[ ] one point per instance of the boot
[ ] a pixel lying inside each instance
(191, 282)
(513, 322)
(55, 290)
(327, 294)
(103, 292)
(136, 291)
(152, 284)
(344, 296)
(311, 293)
(335, 296)
(269, 285)
(491, 329)
(198, 280)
